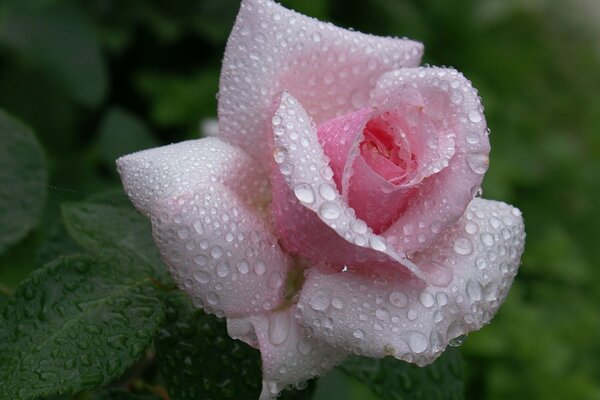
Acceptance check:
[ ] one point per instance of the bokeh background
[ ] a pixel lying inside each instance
(96, 79)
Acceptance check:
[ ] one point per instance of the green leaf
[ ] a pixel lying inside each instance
(114, 394)
(122, 133)
(59, 38)
(392, 379)
(23, 179)
(198, 360)
(118, 232)
(180, 101)
(75, 324)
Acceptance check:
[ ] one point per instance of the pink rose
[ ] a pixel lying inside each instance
(335, 212)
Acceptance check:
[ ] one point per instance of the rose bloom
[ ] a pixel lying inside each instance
(336, 212)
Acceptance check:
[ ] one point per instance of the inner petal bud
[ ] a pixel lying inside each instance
(387, 149)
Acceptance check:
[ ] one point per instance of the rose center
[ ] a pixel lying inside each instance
(387, 150)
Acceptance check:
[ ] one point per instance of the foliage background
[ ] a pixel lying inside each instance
(96, 79)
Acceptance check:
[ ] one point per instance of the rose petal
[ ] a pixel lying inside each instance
(374, 199)
(200, 198)
(289, 354)
(166, 172)
(310, 215)
(329, 69)
(378, 313)
(445, 95)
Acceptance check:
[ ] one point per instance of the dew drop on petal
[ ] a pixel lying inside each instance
(304, 193)
(320, 301)
(330, 211)
(463, 246)
(398, 299)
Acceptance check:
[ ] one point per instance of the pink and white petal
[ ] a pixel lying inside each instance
(290, 355)
(374, 200)
(310, 215)
(272, 49)
(201, 197)
(448, 96)
(165, 172)
(376, 313)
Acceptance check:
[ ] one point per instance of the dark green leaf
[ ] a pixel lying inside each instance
(392, 379)
(73, 325)
(114, 394)
(23, 178)
(60, 39)
(122, 133)
(119, 232)
(198, 360)
(180, 100)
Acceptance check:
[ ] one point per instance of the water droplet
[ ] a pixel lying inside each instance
(359, 333)
(417, 342)
(327, 191)
(475, 116)
(200, 260)
(481, 263)
(279, 154)
(474, 290)
(222, 269)
(463, 246)
(412, 314)
(212, 298)
(216, 252)
(471, 228)
(478, 163)
(183, 232)
(398, 299)
(279, 327)
(426, 299)
(382, 314)
(320, 301)
(457, 341)
(243, 266)
(304, 193)
(472, 138)
(337, 303)
(359, 226)
(330, 211)
(377, 243)
(275, 280)
(441, 298)
(487, 238)
(304, 347)
(260, 267)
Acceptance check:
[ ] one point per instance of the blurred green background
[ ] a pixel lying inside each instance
(96, 79)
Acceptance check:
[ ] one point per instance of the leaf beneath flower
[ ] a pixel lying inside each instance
(198, 360)
(75, 324)
(393, 379)
(23, 178)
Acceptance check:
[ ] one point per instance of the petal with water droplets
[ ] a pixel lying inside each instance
(201, 197)
(380, 313)
(329, 69)
(311, 217)
(290, 355)
(448, 100)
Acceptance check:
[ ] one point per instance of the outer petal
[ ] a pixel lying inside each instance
(447, 95)
(289, 354)
(329, 69)
(378, 314)
(310, 215)
(200, 197)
